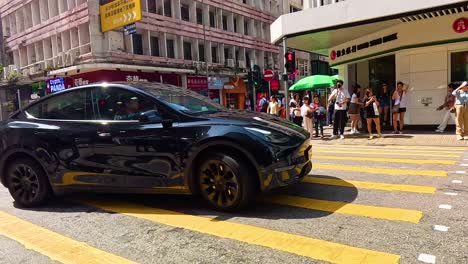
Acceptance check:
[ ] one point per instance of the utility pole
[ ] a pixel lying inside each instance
(285, 81)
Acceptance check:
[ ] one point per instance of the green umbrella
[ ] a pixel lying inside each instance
(313, 82)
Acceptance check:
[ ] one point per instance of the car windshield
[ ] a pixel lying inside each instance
(181, 99)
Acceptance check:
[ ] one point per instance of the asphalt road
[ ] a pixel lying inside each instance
(379, 210)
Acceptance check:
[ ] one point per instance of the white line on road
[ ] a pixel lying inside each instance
(441, 228)
(460, 172)
(464, 165)
(445, 206)
(451, 193)
(457, 181)
(427, 258)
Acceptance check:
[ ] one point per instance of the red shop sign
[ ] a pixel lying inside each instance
(197, 82)
(124, 76)
(460, 25)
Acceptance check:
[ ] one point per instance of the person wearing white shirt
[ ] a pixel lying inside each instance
(341, 97)
(307, 113)
(273, 106)
(400, 96)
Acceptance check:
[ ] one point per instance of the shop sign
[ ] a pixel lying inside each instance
(55, 85)
(460, 25)
(334, 54)
(217, 83)
(123, 76)
(229, 86)
(130, 29)
(119, 13)
(197, 82)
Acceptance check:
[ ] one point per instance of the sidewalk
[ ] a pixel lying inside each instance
(413, 138)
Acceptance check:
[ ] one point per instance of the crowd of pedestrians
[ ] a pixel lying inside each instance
(366, 110)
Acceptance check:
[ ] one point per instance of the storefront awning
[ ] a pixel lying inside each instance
(318, 29)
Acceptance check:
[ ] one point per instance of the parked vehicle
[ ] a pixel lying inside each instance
(147, 138)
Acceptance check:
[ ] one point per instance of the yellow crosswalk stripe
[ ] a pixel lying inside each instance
(387, 153)
(386, 160)
(295, 244)
(53, 245)
(377, 170)
(395, 214)
(393, 148)
(371, 185)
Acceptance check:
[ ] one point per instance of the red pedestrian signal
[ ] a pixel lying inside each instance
(290, 61)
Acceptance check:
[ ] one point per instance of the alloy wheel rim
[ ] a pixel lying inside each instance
(24, 183)
(219, 183)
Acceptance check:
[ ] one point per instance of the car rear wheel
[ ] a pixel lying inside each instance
(27, 183)
(225, 182)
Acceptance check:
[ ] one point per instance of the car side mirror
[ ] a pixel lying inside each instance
(167, 123)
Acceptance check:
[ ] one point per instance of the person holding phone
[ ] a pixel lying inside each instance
(371, 112)
(461, 106)
(400, 96)
(341, 97)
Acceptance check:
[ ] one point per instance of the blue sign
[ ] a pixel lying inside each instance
(55, 85)
(130, 29)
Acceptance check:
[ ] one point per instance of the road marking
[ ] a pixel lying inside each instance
(395, 214)
(441, 228)
(53, 245)
(451, 193)
(295, 244)
(426, 258)
(377, 170)
(386, 160)
(464, 165)
(393, 148)
(445, 206)
(386, 153)
(371, 185)
(460, 172)
(457, 181)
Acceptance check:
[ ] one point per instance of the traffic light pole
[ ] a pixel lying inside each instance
(286, 90)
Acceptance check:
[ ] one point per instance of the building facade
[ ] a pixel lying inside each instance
(421, 43)
(177, 42)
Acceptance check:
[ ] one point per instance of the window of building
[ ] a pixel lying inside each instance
(226, 54)
(154, 46)
(184, 12)
(244, 1)
(137, 44)
(246, 28)
(225, 23)
(152, 6)
(293, 9)
(212, 19)
(170, 48)
(199, 16)
(201, 52)
(167, 8)
(459, 66)
(214, 54)
(187, 51)
(235, 25)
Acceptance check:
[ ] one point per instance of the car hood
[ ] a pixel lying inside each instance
(256, 119)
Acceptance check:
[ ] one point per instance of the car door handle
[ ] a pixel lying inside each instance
(104, 134)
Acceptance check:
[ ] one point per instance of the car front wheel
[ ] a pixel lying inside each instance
(225, 182)
(27, 183)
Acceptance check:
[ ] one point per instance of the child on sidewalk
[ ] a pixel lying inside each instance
(319, 115)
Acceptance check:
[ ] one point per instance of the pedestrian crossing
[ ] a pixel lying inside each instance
(331, 170)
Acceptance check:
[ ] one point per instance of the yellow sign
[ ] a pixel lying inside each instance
(119, 13)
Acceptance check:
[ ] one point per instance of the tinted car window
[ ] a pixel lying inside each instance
(71, 105)
(113, 103)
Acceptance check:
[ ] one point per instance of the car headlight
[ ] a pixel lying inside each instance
(272, 136)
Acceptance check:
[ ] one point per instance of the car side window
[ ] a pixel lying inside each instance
(114, 103)
(71, 105)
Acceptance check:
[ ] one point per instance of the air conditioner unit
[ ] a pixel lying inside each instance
(230, 63)
(241, 64)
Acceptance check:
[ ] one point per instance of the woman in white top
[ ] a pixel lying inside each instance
(400, 96)
(307, 113)
(273, 107)
(354, 108)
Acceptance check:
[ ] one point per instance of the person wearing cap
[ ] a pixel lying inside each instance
(461, 106)
(341, 97)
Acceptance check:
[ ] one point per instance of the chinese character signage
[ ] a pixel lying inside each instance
(460, 25)
(119, 13)
(197, 82)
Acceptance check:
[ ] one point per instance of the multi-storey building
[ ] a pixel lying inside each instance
(177, 41)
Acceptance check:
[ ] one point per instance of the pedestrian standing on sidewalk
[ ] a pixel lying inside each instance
(354, 108)
(331, 112)
(399, 107)
(263, 104)
(295, 110)
(273, 106)
(384, 102)
(319, 115)
(341, 97)
(448, 109)
(461, 106)
(307, 112)
(371, 112)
